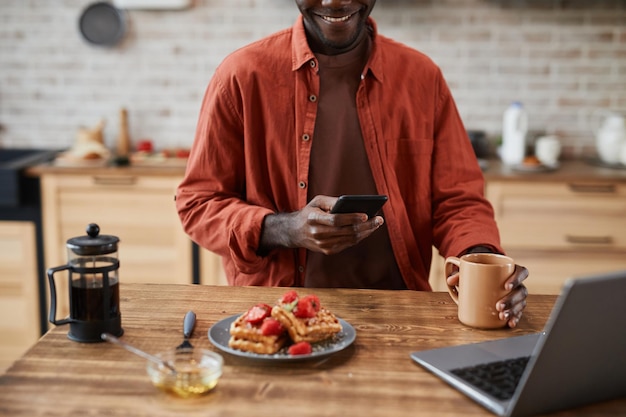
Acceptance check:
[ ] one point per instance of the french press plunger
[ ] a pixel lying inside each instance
(94, 290)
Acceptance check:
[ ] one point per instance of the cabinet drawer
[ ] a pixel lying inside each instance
(117, 182)
(560, 215)
(140, 210)
(548, 270)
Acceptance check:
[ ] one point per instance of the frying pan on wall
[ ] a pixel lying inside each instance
(103, 24)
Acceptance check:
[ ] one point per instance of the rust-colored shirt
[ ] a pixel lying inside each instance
(251, 157)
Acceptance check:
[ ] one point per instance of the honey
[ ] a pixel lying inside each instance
(186, 383)
(197, 372)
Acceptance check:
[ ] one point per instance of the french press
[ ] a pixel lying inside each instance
(94, 293)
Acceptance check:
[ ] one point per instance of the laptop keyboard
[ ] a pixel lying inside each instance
(499, 379)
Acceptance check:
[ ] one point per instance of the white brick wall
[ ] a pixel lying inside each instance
(562, 58)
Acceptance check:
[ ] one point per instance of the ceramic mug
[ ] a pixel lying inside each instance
(481, 285)
(547, 150)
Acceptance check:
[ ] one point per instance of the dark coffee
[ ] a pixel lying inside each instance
(89, 303)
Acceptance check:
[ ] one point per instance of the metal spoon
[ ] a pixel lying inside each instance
(188, 325)
(110, 338)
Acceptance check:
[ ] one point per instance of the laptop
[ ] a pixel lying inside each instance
(579, 358)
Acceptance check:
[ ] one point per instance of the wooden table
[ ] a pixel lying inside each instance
(373, 377)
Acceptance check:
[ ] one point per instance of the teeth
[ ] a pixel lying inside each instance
(336, 19)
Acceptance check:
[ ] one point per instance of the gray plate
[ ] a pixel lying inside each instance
(219, 334)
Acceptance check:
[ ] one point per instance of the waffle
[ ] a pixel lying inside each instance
(247, 337)
(320, 327)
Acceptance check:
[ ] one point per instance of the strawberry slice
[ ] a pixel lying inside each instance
(307, 307)
(300, 348)
(258, 313)
(289, 297)
(271, 327)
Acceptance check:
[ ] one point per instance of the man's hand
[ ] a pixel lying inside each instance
(512, 305)
(315, 229)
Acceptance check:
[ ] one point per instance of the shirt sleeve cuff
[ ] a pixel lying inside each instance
(244, 240)
(480, 249)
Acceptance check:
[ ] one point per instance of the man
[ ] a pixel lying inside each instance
(331, 107)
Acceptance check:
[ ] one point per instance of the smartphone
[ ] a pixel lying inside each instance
(368, 204)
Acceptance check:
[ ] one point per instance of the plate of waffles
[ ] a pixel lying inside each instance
(219, 335)
(294, 328)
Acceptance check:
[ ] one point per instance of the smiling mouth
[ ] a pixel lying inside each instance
(331, 19)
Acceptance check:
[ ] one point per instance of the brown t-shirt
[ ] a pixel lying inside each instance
(339, 165)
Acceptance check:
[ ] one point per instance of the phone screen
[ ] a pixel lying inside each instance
(368, 204)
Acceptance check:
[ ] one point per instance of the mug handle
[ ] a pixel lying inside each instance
(449, 265)
(53, 295)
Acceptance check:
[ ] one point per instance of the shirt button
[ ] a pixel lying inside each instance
(305, 137)
(300, 269)
(312, 63)
(302, 184)
(313, 98)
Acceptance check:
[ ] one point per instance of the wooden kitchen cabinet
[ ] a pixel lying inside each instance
(561, 229)
(436, 279)
(137, 208)
(560, 224)
(19, 294)
(211, 269)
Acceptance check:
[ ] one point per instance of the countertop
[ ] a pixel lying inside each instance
(374, 376)
(576, 170)
(161, 167)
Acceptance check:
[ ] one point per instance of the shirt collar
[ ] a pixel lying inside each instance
(302, 54)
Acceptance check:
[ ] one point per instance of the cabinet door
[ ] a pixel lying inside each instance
(437, 279)
(139, 210)
(19, 297)
(548, 270)
(560, 215)
(211, 269)
(560, 230)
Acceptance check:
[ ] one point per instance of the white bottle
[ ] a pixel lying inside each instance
(514, 130)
